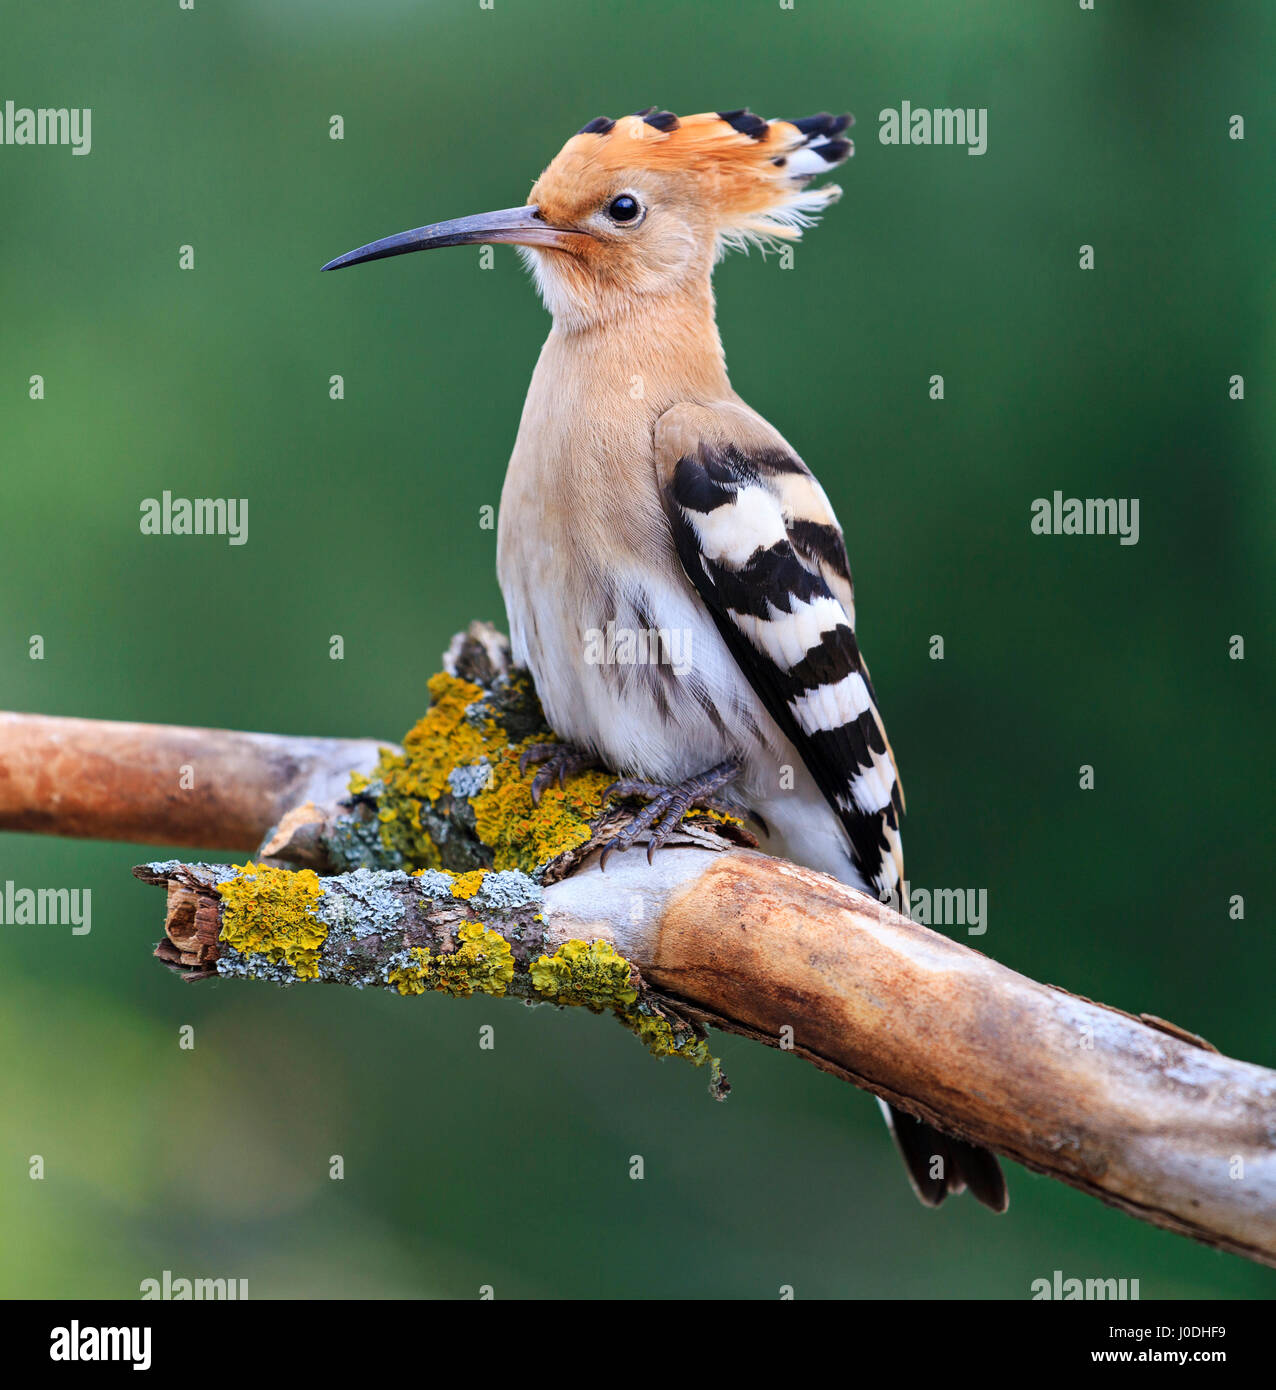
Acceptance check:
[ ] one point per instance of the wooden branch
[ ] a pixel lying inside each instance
(1134, 1111)
(161, 784)
(1130, 1110)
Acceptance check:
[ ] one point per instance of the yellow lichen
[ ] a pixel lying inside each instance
(483, 963)
(722, 817)
(466, 885)
(413, 976)
(660, 1039)
(592, 974)
(443, 740)
(596, 976)
(457, 733)
(523, 836)
(270, 912)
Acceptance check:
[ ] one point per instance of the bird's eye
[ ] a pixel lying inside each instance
(623, 209)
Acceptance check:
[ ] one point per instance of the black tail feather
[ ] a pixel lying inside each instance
(963, 1166)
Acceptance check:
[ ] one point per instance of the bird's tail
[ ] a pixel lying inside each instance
(939, 1164)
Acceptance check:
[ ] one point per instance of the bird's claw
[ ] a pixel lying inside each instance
(560, 761)
(666, 807)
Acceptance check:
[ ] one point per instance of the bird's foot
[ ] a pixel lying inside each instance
(666, 806)
(559, 761)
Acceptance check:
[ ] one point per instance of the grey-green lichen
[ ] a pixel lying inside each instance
(507, 889)
(211, 874)
(502, 891)
(435, 882)
(368, 908)
(354, 840)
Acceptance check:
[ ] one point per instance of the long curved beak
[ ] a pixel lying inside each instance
(519, 226)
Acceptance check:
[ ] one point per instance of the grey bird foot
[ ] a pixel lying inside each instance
(560, 761)
(667, 806)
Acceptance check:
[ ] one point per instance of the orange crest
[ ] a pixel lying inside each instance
(751, 174)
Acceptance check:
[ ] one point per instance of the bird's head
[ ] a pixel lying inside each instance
(644, 205)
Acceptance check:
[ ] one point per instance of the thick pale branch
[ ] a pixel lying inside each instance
(1134, 1112)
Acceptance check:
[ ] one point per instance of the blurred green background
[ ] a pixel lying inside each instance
(510, 1168)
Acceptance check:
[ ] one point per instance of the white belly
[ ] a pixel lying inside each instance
(636, 671)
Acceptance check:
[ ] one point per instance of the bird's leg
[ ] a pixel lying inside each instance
(668, 805)
(559, 761)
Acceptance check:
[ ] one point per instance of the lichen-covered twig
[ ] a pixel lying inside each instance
(483, 932)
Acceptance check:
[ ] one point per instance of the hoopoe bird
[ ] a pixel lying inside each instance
(643, 495)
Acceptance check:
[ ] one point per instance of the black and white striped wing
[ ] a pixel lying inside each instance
(759, 542)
